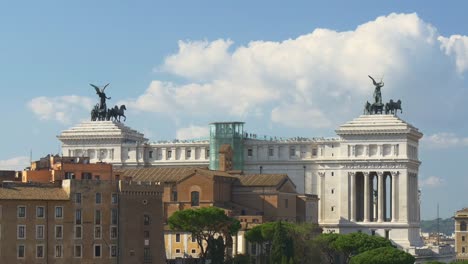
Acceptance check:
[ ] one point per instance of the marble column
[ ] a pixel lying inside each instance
(352, 180)
(381, 197)
(367, 195)
(322, 196)
(394, 196)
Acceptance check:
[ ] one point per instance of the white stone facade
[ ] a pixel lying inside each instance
(366, 178)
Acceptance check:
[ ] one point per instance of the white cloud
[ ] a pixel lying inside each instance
(444, 140)
(192, 54)
(456, 46)
(299, 116)
(192, 132)
(61, 108)
(431, 182)
(319, 78)
(16, 163)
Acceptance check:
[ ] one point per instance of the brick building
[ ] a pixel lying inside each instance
(252, 199)
(461, 234)
(82, 219)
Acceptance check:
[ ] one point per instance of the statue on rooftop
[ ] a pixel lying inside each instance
(101, 94)
(377, 92)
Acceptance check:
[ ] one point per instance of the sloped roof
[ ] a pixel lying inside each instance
(176, 174)
(155, 174)
(101, 130)
(33, 192)
(252, 180)
(377, 124)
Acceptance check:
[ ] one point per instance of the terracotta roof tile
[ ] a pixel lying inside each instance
(32, 192)
(262, 179)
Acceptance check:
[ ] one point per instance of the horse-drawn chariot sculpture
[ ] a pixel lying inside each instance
(100, 111)
(377, 107)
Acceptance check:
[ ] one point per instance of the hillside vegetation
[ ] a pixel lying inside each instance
(446, 226)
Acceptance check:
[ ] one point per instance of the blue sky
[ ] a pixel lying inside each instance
(295, 69)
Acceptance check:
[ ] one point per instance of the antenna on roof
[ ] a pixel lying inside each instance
(30, 157)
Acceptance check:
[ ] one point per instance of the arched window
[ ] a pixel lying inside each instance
(462, 226)
(195, 198)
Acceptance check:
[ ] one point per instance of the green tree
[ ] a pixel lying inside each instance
(383, 255)
(205, 224)
(325, 243)
(282, 245)
(355, 243)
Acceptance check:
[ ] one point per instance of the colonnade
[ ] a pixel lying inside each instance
(374, 196)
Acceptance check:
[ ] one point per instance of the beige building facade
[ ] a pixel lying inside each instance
(80, 221)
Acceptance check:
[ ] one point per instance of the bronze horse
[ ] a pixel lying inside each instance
(393, 107)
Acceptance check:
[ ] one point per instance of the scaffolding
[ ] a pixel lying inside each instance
(231, 133)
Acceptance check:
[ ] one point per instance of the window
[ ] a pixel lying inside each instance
(78, 232)
(177, 238)
(39, 251)
(332, 173)
(21, 232)
(373, 232)
(189, 153)
(195, 198)
(97, 251)
(292, 152)
(113, 251)
(146, 234)
(249, 152)
(59, 231)
(98, 198)
(270, 152)
(21, 211)
(97, 232)
(387, 234)
(333, 190)
(333, 208)
(86, 176)
(69, 175)
(78, 198)
(286, 203)
(20, 251)
(177, 251)
(78, 216)
(113, 232)
(314, 152)
(114, 216)
(77, 253)
(169, 154)
(40, 212)
(462, 226)
(39, 231)
(194, 239)
(150, 154)
(174, 196)
(58, 211)
(207, 153)
(58, 251)
(463, 238)
(194, 251)
(146, 219)
(463, 250)
(146, 253)
(114, 198)
(97, 217)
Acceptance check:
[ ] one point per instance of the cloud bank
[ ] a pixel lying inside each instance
(63, 109)
(315, 80)
(16, 163)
